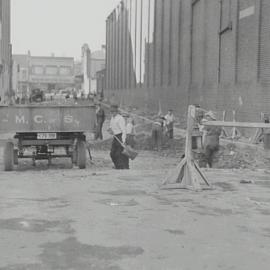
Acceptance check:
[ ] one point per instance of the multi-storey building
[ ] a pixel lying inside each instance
(90, 65)
(44, 72)
(5, 49)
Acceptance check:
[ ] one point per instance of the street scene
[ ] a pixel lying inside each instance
(134, 134)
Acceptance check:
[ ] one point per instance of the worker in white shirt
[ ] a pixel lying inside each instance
(169, 122)
(118, 130)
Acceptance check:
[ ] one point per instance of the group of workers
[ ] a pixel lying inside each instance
(122, 128)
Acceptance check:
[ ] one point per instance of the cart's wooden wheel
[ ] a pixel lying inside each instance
(81, 154)
(9, 156)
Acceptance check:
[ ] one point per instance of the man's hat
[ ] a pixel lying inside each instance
(211, 114)
(126, 115)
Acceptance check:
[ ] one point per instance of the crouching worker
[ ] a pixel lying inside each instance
(118, 130)
(210, 139)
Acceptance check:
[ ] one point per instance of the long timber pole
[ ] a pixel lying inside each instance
(236, 124)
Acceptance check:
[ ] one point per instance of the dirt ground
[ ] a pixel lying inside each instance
(99, 218)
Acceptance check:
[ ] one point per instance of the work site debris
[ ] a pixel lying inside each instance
(229, 156)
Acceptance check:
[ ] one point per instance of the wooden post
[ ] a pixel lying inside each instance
(235, 132)
(258, 134)
(187, 175)
(224, 133)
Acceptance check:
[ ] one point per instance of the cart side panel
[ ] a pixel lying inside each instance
(47, 119)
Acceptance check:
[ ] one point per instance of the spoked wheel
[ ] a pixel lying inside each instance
(9, 157)
(81, 154)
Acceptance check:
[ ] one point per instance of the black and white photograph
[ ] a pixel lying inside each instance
(134, 134)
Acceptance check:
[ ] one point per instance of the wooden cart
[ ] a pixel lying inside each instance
(39, 130)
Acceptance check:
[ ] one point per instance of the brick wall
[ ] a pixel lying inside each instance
(215, 53)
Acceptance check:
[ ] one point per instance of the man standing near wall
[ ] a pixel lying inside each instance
(157, 132)
(100, 118)
(118, 130)
(169, 122)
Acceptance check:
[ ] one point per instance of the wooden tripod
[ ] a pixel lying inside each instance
(187, 175)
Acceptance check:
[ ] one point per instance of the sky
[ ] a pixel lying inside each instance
(58, 26)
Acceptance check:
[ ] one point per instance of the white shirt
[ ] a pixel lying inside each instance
(169, 119)
(130, 129)
(118, 125)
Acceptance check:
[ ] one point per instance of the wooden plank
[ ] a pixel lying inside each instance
(236, 124)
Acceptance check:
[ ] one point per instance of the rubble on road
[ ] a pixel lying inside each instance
(231, 156)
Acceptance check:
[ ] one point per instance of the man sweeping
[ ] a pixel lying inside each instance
(118, 130)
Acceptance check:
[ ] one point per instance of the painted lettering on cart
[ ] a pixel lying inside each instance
(40, 119)
(20, 119)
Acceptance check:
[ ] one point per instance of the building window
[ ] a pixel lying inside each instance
(37, 70)
(65, 71)
(24, 75)
(51, 70)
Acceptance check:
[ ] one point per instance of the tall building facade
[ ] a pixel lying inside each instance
(86, 68)
(180, 52)
(5, 48)
(90, 65)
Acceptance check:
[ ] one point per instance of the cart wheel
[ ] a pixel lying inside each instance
(9, 156)
(81, 155)
(15, 157)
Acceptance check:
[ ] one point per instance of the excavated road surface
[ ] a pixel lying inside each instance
(103, 219)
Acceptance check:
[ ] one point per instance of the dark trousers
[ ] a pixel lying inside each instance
(99, 134)
(170, 133)
(209, 154)
(119, 160)
(157, 138)
(131, 140)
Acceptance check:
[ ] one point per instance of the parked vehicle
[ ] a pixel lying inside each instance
(41, 130)
(37, 95)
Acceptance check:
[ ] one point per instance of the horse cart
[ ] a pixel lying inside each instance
(46, 132)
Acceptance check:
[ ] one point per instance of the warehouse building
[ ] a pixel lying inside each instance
(180, 52)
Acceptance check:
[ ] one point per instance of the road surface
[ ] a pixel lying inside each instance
(103, 219)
